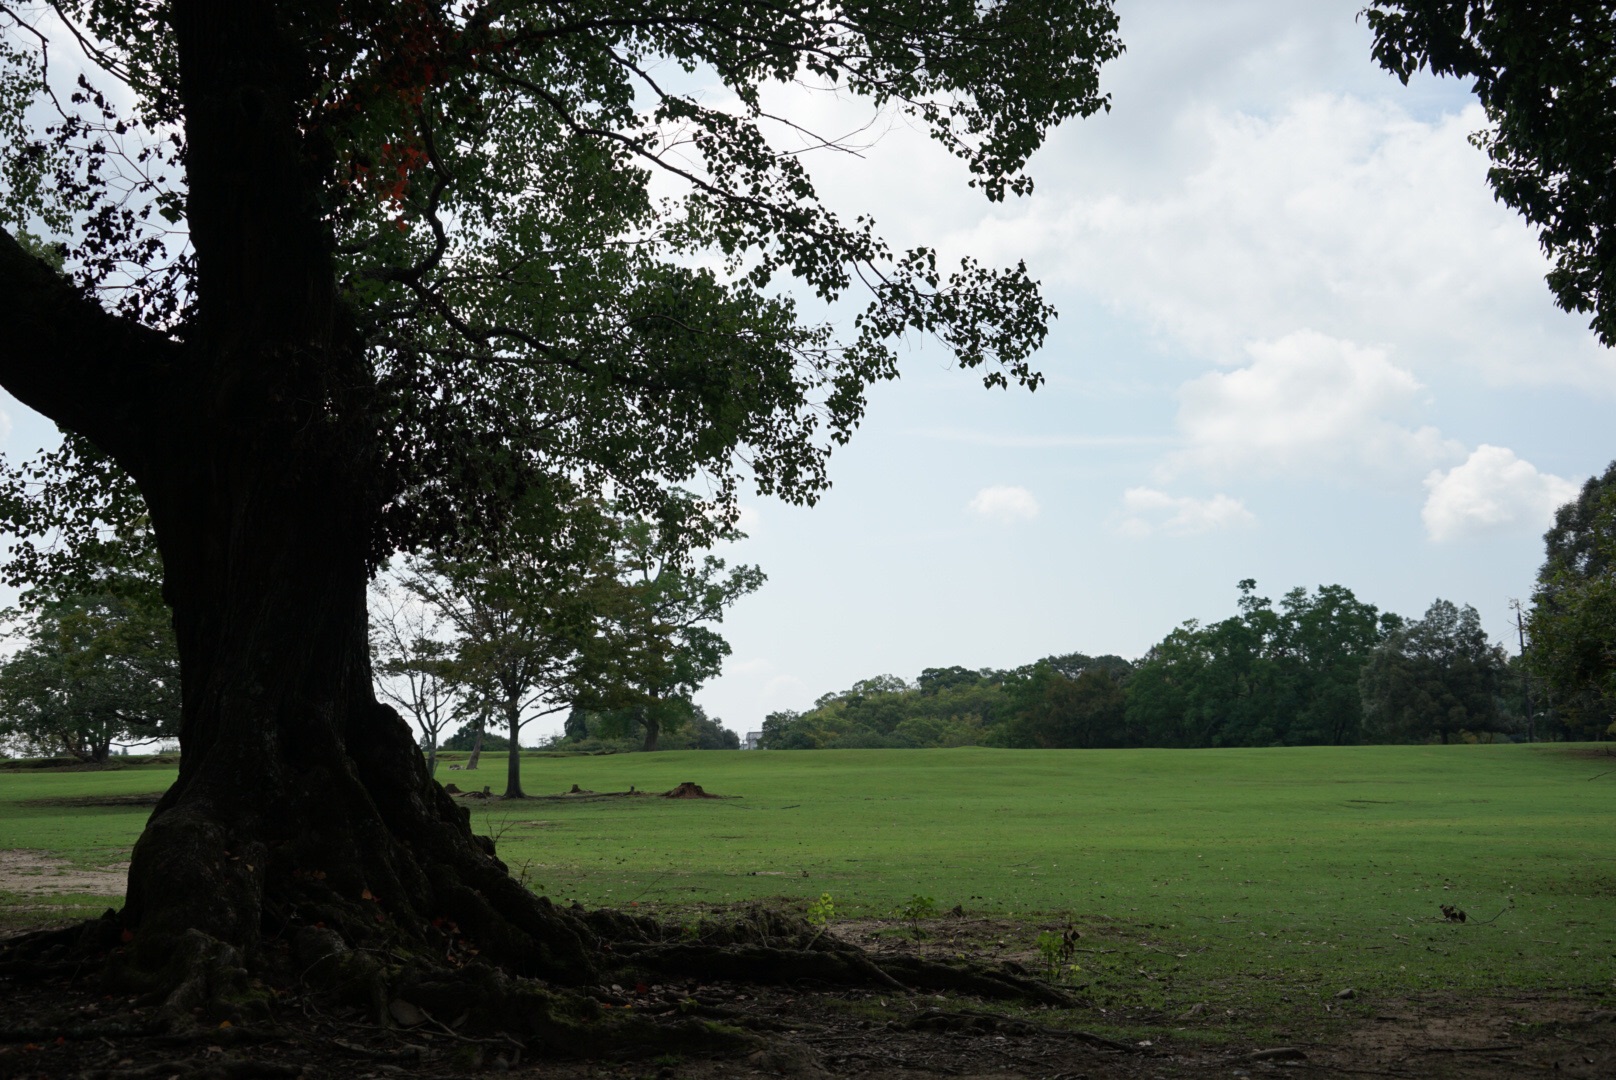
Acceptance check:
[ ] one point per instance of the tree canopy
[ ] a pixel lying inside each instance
(1572, 622)
(1321, 667)
(516, 205)
(330, 281)
(1436, 676)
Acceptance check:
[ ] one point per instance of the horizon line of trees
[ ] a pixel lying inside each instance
(1320, 668)
(611, 619)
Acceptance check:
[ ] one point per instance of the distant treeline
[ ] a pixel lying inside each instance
(1322, 667)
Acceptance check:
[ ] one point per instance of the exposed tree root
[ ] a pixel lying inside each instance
(462, 996)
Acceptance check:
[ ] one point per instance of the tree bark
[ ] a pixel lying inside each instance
(513, 761)
(300, 799)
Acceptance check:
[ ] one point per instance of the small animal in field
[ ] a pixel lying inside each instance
(456, 766)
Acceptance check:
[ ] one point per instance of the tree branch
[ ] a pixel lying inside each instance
(61, 353)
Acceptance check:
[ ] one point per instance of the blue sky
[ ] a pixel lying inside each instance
(1298, 341)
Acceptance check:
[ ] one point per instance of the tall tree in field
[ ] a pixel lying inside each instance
(526, 624)
(93, 669)
(96, 662)
(1436, 677)
(1572, 624)
(659, 643)
(414, 663)
(349, 278)
(1265, 677)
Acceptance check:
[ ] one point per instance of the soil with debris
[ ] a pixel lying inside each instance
(39, 873)
(65, 1026)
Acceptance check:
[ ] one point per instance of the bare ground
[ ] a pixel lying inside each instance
(39, 873)
(66, 1027)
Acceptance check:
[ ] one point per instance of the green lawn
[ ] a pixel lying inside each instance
(1216, 875)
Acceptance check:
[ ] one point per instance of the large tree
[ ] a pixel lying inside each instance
(96, 662)
(93, 669)
(1264, 677)
(1572, 624)
(414, 663)
(347, 278)
(1436, 677)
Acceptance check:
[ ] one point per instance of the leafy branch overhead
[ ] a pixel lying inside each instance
(330, 283)
(523, 200)
(1546, 74)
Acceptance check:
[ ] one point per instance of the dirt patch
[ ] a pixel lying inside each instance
(68, 1026)
(39, 873)
(689, 790)
(143, 798)
(75, 765)
(1461, 1037)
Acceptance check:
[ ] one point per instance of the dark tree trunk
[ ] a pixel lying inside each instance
(513, 762)
(652, 731)
(300, 799)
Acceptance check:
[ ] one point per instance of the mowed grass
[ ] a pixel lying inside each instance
(34, 818)
(1234, 877)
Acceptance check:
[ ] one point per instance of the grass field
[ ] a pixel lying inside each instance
(1232, 877)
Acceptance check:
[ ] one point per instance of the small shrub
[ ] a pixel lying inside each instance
(914, 909)
(1057, 949)
(821, 911)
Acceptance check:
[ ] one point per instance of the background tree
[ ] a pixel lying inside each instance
(1546, 74)
(1329, 635)
(414, 663)
(620, 730)
(1434, 678)
(1066, 703)
(525, 625)
(97, 661)
(94, 669)
(1267, 676)
(1571, 628)
(418, 276)
(658, 643)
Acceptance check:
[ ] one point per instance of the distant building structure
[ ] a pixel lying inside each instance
(753, 740)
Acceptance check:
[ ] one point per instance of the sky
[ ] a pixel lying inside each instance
(1298, 342)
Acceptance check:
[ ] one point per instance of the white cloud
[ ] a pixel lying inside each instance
(1304, 400)
(1493, 489)
(1333, 212)
(1004, 504)
(1147, 511)
(1033, 442)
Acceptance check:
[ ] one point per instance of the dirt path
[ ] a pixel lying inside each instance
(39, 873)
